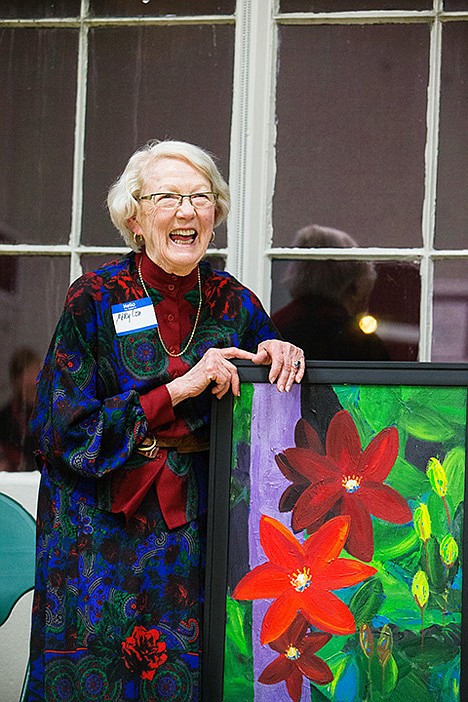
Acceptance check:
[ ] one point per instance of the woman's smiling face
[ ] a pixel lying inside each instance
(175, 239)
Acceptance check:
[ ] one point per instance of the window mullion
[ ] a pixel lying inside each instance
(429, 205)
(252, 141)
(79, 146)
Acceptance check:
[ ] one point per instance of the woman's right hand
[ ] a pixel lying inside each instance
(214, 368)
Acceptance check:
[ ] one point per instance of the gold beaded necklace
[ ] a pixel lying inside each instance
(176, 355)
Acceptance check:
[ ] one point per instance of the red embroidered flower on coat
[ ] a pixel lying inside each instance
(143, 652)
(297, 659)
(299, 578)
(344, 480)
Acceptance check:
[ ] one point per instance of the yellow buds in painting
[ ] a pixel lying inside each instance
(448, 550)
(384, 645)
(437, 476)
(366, 639)
(420, 589)
(422, 522)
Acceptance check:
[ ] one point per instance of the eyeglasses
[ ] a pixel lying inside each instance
(171, 201)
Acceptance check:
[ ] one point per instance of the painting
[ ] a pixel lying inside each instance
(336, 536)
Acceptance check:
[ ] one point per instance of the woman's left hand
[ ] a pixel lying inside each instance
(287, 362)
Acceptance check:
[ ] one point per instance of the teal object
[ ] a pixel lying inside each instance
(17, 554)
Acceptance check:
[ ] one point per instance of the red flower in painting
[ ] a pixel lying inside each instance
(143, 652)
(306, 437)
(346, 480)
(300, 577)
(297, 658)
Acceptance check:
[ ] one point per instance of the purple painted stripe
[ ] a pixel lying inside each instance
(274, 416)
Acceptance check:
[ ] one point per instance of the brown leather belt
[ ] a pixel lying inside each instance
(184, 444)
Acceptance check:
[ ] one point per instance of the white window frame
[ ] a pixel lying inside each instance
(249, 253)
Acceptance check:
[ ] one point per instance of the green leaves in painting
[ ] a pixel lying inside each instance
(408, 479)
(430, 414)
(434, 414)
(238, 667)
(366, 602)
(237, 630)
(380, 406)
(426, 423)
(454, 465)
(441, 645)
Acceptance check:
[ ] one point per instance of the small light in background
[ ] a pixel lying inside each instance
(368, 324)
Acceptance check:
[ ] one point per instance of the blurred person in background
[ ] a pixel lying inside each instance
(329, 301)
(16, 443)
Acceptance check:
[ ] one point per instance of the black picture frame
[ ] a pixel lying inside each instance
(319, 375)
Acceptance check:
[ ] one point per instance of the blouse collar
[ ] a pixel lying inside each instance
(169, 283)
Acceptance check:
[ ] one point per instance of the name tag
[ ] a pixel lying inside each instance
(134, 316)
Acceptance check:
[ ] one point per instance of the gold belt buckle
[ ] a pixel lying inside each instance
(149, 447)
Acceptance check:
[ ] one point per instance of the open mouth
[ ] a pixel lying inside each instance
(183, 237)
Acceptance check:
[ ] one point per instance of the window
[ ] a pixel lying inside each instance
(88, 83)
(370, 135)
(348, 114)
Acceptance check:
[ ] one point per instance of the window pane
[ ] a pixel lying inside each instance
(318, 305)
(395, 303)
(27, 9)
(351, 131)
(28, 317)
(455, 5)
(138, 8)
(38, 74)
(27, 323)
(452, 191)
(352, 5)
(163, 92)
(218, 262)
(450, 329)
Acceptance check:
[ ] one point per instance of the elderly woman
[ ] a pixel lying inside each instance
(121, 424)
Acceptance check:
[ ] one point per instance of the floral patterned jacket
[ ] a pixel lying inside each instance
(89, 417)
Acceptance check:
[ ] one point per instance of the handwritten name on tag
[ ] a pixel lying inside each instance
(134, 316)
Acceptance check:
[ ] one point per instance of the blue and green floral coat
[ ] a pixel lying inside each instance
(121, 539)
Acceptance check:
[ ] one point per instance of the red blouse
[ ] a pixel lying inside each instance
(175, 317)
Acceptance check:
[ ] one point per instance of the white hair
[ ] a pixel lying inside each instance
(122, 200)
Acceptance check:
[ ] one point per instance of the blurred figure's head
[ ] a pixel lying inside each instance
(24, 368)
(348, 283)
